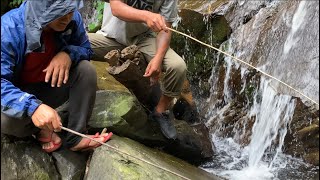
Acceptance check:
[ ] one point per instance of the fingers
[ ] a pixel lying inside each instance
(66, 76)
(55, 76)
(163, 24)
(157, 23)
(58, 69)
(147, 72)
(46, 118)
(57, 123)
(60, 77)
(48, 72)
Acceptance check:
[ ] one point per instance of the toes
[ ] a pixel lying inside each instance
(47, 145)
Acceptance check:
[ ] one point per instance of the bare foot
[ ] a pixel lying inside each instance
(87, 144)
(50, 140)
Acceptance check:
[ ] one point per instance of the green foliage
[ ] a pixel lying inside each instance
(15, 3)
(94, 26)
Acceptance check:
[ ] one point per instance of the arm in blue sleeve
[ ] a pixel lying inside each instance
(79, 47)
(14, 102)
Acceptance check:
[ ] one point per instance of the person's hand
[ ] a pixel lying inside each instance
(58, 69)
(153, 71)
(46, 118)
(156, 22)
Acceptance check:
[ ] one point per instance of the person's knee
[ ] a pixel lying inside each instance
(87, 72)
(179, 68)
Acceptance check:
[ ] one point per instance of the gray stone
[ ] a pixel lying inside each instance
(107, 163)
(24, 159)
(71, 165)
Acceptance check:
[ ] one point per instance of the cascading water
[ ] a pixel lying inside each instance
(266, 120)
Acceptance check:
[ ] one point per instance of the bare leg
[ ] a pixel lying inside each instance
(163, 103)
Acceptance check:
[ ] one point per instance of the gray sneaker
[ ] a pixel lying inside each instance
(165, 122)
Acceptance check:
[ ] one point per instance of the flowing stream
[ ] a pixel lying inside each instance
(282, 39)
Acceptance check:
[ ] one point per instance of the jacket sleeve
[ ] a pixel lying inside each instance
(79, 48)
(14, 102)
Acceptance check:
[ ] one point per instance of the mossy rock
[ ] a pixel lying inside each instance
(106, 163)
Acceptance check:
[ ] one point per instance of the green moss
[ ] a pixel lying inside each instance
(41, 176)
(122, 105)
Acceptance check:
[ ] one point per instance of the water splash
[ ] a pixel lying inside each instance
(297, 22)
(272, 115)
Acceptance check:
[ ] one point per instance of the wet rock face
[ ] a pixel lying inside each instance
(211, 29)
(24, 159)
(118, 166)
(303, 139)
(276, 38)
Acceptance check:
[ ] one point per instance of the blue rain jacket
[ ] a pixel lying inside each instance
(21, 30)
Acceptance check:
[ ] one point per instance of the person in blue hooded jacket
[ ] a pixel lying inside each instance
(44, 63)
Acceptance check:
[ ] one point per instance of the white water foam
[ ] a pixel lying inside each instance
(256, 161)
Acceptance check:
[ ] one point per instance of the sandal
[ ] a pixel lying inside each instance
(53, 148)
(45, 140)
(87, 141)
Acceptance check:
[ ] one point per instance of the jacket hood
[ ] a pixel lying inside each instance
(39, 13)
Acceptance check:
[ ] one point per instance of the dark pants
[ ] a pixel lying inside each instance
(80, 90)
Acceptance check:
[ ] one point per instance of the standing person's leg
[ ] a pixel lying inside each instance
(174, 74)
(101, 45)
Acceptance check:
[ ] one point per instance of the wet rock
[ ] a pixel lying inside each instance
(107, 163)
(121, 113)
(71, 165)
(312, 158)
(24, 159)
(192, 143)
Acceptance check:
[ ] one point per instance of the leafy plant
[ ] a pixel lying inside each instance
(15, 3)
(94, 26)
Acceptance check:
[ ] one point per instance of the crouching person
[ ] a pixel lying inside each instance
(44, 62)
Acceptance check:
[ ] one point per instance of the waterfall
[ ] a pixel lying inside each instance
(266, 120)
(272, 114)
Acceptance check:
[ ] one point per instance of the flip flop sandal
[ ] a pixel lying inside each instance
(45, 139)
(96, 136)
(55, 147)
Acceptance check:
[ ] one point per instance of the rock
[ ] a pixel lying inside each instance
(121, 113)
(71, 165)
(308, 132)
(312, 158)
(182, 110)
(192, 143)
(24, 159)
(106, 163)
(105, 80)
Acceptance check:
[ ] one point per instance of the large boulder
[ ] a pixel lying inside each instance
(126, 159)
(119, 111)
(24, 159)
